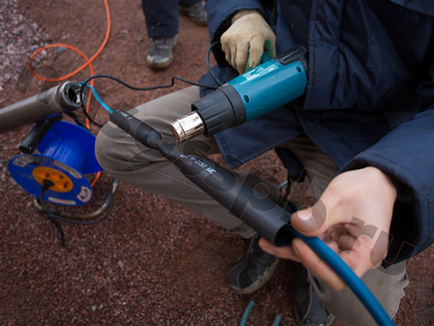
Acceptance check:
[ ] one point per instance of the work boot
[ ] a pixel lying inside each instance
(196, 13)
(308, 308)
(252, 269)
(160, 54)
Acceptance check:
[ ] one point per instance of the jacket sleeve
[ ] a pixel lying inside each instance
(407, 155)
(220, 13)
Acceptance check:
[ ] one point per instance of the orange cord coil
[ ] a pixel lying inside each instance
(88, 63)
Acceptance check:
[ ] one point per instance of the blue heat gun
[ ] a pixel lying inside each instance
(260, 90)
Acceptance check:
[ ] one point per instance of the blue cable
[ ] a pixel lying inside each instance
(352, 280)
(95, 94)
(277, 320)
(246, 313)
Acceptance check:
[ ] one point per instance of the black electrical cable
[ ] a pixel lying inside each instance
(214, 77)
(133, 88)
(77, 119)
(83, 85)
(54, 215)
(59, 227)
(90, 119)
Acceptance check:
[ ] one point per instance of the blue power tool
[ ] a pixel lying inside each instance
(267, 87)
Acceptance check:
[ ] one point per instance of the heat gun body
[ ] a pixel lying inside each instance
(265, 88)
(269, 86)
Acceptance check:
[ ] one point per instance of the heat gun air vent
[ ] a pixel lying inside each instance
(297, 53)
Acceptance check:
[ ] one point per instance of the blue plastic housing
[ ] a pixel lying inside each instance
(283, 83)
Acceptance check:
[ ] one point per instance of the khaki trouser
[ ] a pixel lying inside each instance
(135, 164)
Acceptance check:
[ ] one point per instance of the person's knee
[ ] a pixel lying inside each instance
(107, 144)
(387, 287)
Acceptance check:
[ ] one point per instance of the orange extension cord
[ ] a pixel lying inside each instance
(88, 63)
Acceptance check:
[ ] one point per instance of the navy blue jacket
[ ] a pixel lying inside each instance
(369, 98)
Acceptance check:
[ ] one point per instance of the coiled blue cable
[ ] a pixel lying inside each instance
(352, 280)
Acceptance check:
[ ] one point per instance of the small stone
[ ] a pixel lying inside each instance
(60, 50)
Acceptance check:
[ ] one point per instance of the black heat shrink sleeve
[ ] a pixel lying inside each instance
(267, 218)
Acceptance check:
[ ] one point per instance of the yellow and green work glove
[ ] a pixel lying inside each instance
(246, 39)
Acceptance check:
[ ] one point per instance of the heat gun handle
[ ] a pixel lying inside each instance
(57, 100)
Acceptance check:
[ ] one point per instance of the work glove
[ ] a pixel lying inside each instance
(246, 39)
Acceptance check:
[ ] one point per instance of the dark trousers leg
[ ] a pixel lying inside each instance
(162, 17)
(188, 3)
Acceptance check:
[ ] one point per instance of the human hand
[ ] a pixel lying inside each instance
(352, 217)
(247, 38)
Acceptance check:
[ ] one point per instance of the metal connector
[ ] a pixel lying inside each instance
(187, 127)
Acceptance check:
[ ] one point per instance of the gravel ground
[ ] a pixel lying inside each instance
(151, 262)
(19, 38)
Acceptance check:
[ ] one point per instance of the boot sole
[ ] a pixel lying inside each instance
(257, 285)
(162, 65)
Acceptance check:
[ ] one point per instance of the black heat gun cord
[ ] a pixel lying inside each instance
(83, 85)
(54, 216)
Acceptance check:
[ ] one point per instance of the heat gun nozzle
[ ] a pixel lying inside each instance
(187, 127)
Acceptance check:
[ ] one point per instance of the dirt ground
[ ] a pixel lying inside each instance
(151, 262)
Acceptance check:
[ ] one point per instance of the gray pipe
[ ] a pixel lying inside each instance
(57, 100)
